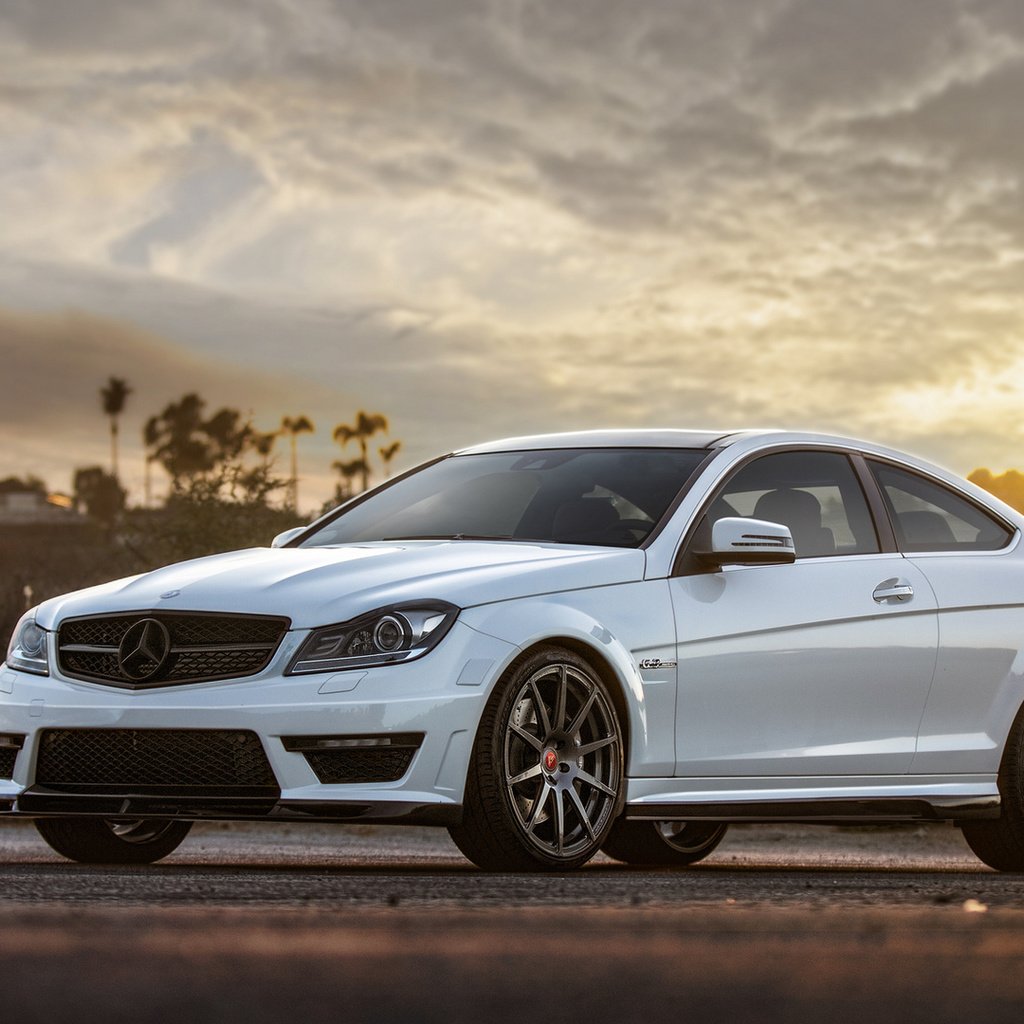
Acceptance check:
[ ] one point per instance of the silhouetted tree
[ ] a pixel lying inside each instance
(387, 453)
(17, 485)
(263, 444)
(189, 446)
(293, 426)
(348, 472)
(222, 510)
(1008, 486)
(150, 439)
(366, 425)
(113, 397)
(99, 494)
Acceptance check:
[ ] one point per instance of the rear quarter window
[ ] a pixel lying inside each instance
(927, 516)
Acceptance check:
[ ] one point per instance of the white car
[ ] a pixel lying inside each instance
(554, 645)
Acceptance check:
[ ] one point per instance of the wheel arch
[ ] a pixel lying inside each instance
(559, 625)
(603, 667)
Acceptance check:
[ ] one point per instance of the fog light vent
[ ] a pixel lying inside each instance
(356, 759)
(10, 744)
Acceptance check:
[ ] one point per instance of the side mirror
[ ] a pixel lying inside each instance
(283, 538)
(749, 542)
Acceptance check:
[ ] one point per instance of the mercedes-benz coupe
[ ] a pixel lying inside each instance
(554, 645)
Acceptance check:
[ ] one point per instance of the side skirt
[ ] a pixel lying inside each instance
(849, 811)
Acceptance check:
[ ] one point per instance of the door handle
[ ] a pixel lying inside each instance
(892, 590)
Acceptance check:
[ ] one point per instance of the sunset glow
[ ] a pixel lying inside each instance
(511, 217)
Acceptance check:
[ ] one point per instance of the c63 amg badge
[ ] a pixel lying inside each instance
(657, 663)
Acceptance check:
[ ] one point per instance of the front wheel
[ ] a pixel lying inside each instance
(546, 771)
(103, 841)
(663, 843)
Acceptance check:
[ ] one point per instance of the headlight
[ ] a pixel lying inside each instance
(384, 637)
(28, 650)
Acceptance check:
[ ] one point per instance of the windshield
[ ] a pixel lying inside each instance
(609, 497)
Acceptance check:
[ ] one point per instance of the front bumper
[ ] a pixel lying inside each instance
(440, 696)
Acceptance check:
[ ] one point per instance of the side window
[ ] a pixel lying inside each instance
(929, 517)
(816, 494)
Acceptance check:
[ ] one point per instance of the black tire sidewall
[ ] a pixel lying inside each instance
(640, 843)
(92, 841)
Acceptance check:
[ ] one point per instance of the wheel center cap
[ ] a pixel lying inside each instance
(550, 760)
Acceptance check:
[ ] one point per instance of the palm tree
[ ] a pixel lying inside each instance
(293, 426)
(113, 396)
(387, 453)
(367, 424)
(263, 444)
(150, 439)
(348, 472)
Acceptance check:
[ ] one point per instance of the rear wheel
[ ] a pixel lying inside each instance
(112, 841)
(546, 771)
(1000, 842)
(663, 842)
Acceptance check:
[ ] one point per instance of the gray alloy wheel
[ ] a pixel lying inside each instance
(114, 841)
(663, 843)
(547, 768)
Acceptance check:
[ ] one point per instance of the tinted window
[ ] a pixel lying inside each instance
(608, 497)
(929, 517)
(816, 494)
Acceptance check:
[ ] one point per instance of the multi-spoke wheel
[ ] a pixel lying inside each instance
(663, 842)
(125, 841)
(546, 773)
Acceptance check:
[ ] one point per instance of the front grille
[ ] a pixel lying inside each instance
(211, 761)
(199, 646)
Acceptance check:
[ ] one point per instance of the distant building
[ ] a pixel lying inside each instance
(31, 507)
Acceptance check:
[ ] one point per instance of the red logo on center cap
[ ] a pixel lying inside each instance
(550, 760)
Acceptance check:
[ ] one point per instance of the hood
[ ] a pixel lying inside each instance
(319, 586)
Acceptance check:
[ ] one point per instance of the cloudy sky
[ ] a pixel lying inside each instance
(487, 218)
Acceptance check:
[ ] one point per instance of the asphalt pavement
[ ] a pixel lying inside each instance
(262, 923)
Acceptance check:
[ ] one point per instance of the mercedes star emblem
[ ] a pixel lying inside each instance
(144, 649)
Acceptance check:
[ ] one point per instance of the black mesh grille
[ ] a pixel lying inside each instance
(360, 764)
(221, 664)
(201, 647)
(7, 759)
(102, 632)
(141, 760)
(89, 665)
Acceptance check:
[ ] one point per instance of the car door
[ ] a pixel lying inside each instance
(820, 667)
(970, 558)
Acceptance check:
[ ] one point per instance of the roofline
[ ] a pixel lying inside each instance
(628, 438)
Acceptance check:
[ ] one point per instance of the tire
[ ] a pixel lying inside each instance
(1000, 841)
(102, 841)
(663, 843)
(546, 774)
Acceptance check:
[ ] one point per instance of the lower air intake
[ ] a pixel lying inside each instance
(340, 766)
(186, 761)
(339, 760)
(10, 744)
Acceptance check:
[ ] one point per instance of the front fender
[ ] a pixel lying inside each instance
(644, 630)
